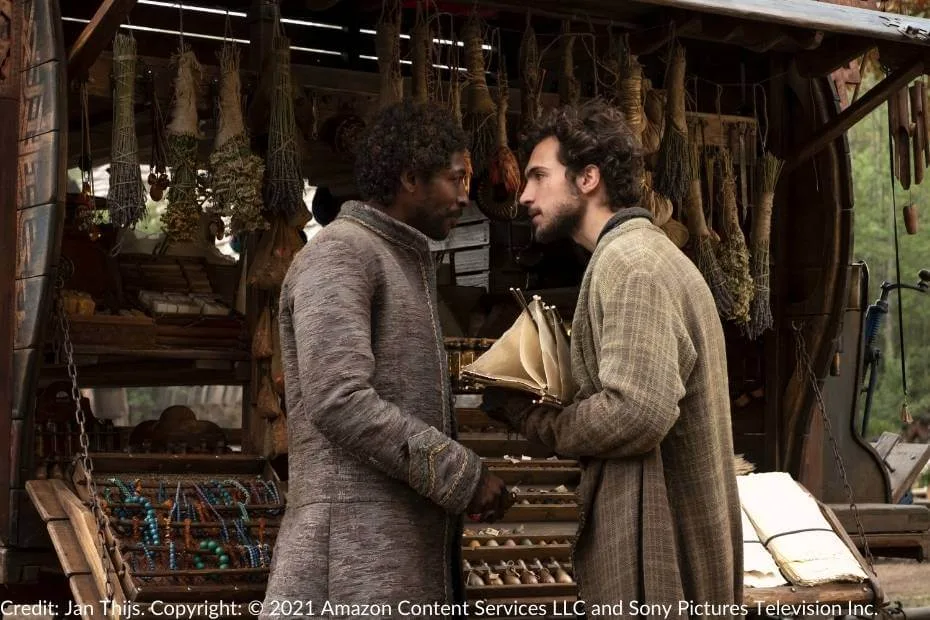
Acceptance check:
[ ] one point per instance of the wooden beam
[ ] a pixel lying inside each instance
(96, 35)
(856, 112)
(833, 54)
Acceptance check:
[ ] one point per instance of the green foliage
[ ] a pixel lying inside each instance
(875, 218)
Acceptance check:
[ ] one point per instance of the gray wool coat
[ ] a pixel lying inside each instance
(377, 485)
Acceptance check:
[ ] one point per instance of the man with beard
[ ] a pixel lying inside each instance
(377, 482)
(651, 422)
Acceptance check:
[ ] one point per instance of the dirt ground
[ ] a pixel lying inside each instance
(906, 581)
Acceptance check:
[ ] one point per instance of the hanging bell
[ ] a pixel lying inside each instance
(910, 219)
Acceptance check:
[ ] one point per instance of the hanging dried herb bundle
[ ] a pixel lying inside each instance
(531, 77)
(498, 195)
(732, 251)
(181, 221)
(701, 237)
(387, 48)
(421, 41)
(158, 163)
(237, 172)
(653, 117)
(479, 120)
(569, 86)
(284, 184)
(761, 314)
(629, 86)
(274, 254)
(673, 175)
(455, 104)
(126, 197)
(656, 203)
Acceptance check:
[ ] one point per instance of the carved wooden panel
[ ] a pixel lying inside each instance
(30, 307)
(36, 251)
(6, 39)
(41, 108)
(24, 361)
(42, 176)
(42, 33)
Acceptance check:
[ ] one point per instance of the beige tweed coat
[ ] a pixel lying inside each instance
(651, 424)
(377, 485)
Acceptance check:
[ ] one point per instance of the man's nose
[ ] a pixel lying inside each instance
(526, 196)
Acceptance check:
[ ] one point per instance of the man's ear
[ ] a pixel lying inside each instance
(589, 179)
(409, 181)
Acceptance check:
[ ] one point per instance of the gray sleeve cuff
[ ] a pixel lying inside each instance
(443, 470)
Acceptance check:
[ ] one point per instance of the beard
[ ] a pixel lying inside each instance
(562, 225)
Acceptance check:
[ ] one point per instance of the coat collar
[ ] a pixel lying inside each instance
(388, 227)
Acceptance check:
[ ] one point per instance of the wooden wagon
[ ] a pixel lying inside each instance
(758, 69)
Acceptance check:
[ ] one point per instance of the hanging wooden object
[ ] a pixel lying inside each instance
(917, 130)
(673, 173)
(910, 219)
(480, 113)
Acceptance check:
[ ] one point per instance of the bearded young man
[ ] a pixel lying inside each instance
(651, 422)
(377, 483)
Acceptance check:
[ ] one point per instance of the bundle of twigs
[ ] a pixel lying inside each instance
(653, 117)
(479, 120)
(761, 314)
(284, 184)
(656, 203)
(569, 86)
(181, 221)
(732, 251)
(673, 175)
(531, 78)
(387, 48)
(629, 87)
(498, 192)
(126, 197)
(421, 42)
(237, 172)
(701, 237)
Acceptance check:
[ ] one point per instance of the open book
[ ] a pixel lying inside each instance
(533, 356)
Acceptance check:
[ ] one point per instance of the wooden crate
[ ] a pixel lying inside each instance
(141, 569)
(130, 332)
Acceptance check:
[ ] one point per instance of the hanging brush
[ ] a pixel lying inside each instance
(498, 191)
(701, 236)
(673, 175)
(732, 252)
(181, 220)
(126, 196)
(284, 184)
(480, 118)
(761, 314)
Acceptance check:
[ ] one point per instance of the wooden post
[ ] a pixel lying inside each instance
(10, 42)
(856, 112)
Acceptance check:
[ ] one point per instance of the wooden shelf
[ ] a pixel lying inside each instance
(162, 353)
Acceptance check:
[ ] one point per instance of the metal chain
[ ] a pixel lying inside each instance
(64, 326)
(804, 361)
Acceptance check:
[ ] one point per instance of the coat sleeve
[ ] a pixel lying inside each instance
(331, 318)
(645, 358)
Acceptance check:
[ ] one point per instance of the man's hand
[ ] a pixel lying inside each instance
(491, 499)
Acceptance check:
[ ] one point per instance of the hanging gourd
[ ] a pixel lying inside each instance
(569, 86)
(498, 193)
(421, 64)
(387, 48)
(479, 119)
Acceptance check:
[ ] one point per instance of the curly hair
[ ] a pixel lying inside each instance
(596, 134)
(405, 136)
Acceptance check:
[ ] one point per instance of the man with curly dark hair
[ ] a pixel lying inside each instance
(378, 483)
(661, 518)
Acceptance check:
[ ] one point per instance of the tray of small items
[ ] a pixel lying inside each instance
(519, 578)
(186, 527)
